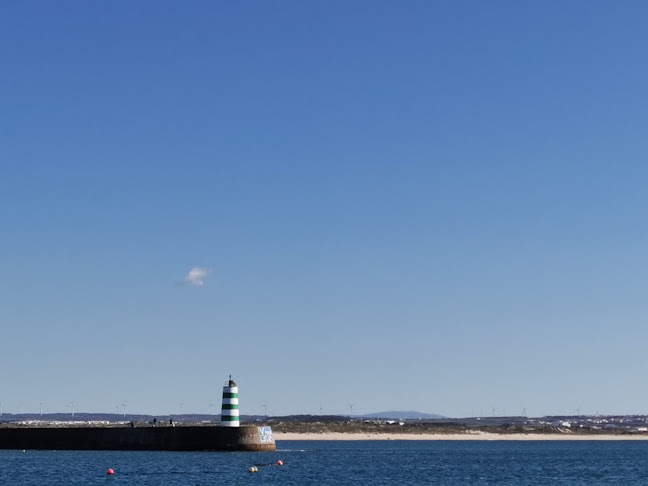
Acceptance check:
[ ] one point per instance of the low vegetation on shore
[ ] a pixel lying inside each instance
(425, 429)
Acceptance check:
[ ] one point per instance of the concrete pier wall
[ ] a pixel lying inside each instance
(192, 438)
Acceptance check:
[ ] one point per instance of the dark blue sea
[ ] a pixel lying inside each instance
(358, 463)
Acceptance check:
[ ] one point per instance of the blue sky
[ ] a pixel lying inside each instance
(424, 205)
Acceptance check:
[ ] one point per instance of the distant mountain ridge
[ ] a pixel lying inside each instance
(409, 415)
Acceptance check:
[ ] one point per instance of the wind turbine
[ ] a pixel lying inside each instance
(124, 407)
(211, 407)
(41, 409)
(265, 409)
(351, 409)
(71, 405)
(181, 406)
(0, 409)
(524, 412)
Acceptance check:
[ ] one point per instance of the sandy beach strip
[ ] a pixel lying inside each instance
(279, 436)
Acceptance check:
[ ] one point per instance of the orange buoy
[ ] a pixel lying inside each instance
(110, 471)
(279, 462)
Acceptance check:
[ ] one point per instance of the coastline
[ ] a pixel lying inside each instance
(332, 436)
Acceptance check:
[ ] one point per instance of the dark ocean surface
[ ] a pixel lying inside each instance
(359, 463)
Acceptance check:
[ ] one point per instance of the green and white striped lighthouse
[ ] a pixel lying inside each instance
(230, 410)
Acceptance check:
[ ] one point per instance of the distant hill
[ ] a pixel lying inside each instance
(187, 417)
(411, 415)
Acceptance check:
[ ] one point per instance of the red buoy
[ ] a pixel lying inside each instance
(110, 471)
(279, 462)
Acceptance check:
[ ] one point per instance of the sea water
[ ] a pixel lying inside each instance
(355, 462)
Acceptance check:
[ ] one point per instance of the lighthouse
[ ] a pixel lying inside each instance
(230, 409)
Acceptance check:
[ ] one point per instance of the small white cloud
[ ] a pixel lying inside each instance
(196, 276)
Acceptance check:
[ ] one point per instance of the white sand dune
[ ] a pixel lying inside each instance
(467, 436)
